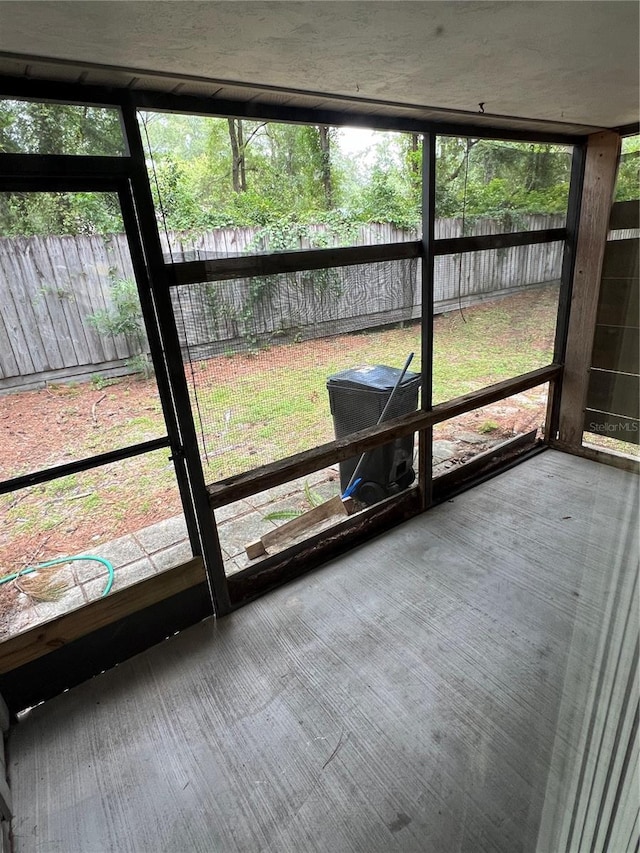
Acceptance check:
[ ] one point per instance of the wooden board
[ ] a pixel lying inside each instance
(603, 151)
(257, 480)
(305, 525)
(39, 641)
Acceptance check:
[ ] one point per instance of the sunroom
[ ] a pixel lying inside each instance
(320, 425)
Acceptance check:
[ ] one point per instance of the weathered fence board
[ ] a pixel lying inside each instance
(50, 286)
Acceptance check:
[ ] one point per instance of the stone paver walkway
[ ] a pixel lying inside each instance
(163, 545)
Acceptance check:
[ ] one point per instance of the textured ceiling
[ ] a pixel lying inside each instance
(559, 61)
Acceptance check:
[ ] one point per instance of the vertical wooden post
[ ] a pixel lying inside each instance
(603, 152)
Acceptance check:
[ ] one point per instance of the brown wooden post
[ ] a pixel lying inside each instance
(603, 152)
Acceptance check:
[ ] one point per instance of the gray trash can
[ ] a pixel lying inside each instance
(357, 398)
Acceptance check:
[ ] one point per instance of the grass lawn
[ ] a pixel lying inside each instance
(254, 409)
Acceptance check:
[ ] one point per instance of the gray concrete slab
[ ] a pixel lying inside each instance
(402, 699)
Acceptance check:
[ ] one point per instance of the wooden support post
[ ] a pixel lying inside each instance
(603, 152)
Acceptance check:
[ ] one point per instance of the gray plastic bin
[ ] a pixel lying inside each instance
(357, 398)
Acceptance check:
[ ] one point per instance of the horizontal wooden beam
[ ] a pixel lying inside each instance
(267, 476)
(39, 641)
(221, 269)
(459, 245)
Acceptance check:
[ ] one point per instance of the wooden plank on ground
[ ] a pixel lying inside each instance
(603, 151)
(304, 525)
(42, 639)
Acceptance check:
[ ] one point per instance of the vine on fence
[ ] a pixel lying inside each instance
(125, 318)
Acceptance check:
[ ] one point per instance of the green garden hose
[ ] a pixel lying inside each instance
(60, 561)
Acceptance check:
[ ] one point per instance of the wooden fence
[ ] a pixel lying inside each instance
(51, 286)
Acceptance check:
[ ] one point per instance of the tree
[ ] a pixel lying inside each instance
(30, 127)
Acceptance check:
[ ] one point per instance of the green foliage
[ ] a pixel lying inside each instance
(487, 427)
(628, 182)
(312, 498)
(24, 214)
(45, 128)
(500, 180)
(125, 318)
(209, 173)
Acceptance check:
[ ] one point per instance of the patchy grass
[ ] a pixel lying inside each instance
(254, 410)
(258, 410)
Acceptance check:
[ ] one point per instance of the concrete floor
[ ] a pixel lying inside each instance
(402, 698)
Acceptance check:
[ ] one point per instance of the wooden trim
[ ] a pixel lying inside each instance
(223, 269)
(632, 129)
(42, 639)
(257, 480)
(88, 656)
(603, 152)
(482, 242)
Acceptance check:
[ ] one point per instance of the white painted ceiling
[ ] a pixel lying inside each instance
(573, 61)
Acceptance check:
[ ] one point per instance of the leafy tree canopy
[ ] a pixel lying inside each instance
(213, 172)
